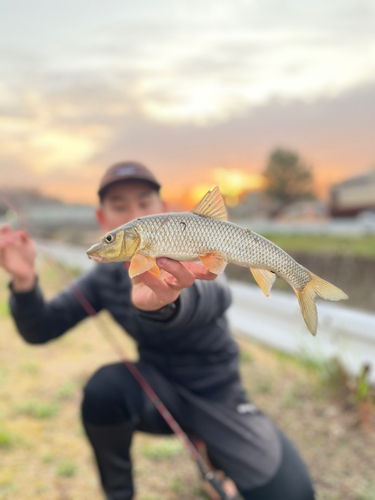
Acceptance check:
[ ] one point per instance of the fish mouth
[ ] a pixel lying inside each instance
(94, 253)
(96, 258)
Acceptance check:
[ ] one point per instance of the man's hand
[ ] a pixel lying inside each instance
(17, 257)
(150, 292)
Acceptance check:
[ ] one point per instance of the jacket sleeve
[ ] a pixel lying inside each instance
(39, 321)
(198, 305)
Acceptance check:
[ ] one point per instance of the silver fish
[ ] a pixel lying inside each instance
(205, 234)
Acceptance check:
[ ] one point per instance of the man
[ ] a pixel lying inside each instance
(185, 352)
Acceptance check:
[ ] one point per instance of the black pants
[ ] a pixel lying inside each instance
(241, 440)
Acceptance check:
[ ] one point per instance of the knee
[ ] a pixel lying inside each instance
(110, 396)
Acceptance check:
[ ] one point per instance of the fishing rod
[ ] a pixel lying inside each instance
(202, 466)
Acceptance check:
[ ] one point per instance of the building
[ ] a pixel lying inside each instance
(353, 196)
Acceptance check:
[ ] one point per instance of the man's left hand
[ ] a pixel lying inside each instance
(151, 292)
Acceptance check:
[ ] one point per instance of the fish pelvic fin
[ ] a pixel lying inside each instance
(306, 298)
(211, 205)
(264, 278)
(141, 263)
(215, 262)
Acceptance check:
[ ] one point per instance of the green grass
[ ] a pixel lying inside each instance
(4, 309)
(30, 367)
(366, 490)
(314, 365)
(177, 485)
(67, 468)
(6, 439)
(67, 390)
(265, 387)
(47, 458)
(329, 372)
(165, 448)
(38, 409)
(360, 246)
(245, 356)
(41, 489)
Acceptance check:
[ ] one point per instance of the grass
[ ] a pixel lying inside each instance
(246, 357)
(30, 367)
(45, 454)
(177, 485)
(6, 439)
(38, 409)
(361, 246)
(4, 309)
(165, 448)
(67, 390)
(48, 458)
(66, 469)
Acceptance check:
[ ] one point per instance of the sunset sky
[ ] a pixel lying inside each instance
(191, 89)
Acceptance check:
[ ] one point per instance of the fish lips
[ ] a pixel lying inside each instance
(93, 253)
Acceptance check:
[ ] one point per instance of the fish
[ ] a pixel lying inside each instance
(205, 235)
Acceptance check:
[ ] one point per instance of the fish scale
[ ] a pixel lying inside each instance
(186, 237)
(206, 234)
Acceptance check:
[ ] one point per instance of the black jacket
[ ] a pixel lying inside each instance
(194, 347)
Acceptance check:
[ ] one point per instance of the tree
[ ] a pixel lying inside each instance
(288, 178)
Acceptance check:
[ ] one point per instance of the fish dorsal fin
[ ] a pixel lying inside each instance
(211, 205)
(264, 278)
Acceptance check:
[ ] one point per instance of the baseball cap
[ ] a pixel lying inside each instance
(128, 170)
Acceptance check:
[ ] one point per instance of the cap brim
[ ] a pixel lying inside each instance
(102, 190)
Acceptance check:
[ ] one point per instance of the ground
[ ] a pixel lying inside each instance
(44, 453)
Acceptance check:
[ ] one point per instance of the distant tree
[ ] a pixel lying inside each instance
(288, 178)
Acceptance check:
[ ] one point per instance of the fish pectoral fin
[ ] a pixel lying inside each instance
(264, 278)
(215, 262)
(211, 205)
(141, 263)
(155, 270)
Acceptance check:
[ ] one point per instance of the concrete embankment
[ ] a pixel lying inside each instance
(355, 275)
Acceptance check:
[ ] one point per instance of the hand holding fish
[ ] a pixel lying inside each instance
(205, 234)
(151, 292)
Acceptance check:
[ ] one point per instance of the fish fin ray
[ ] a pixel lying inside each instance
(326, 290)
(141, 263)
(155, 270)
(264, 278)
(215, 262)
(308, 308)
(211, 205)
(306, 298)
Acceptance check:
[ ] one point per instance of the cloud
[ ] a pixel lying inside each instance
(176, 64)
(178, 85)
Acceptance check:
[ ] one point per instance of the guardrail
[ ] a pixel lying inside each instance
(277, 321)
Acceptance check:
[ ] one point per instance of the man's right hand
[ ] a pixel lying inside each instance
(17, 257)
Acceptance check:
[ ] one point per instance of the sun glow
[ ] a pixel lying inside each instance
(233, 183)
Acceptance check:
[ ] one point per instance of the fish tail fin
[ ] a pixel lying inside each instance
(306, 298)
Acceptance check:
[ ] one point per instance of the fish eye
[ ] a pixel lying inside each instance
(109, 238)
